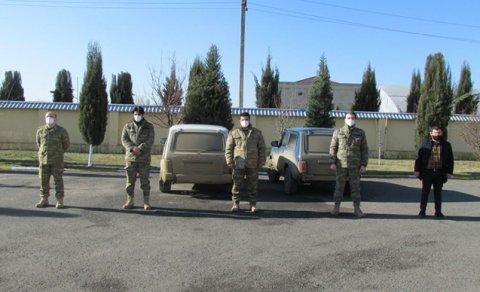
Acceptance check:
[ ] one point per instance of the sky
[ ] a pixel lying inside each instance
(39, 38)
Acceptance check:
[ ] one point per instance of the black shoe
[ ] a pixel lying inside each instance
(421, 214)
(439, 215)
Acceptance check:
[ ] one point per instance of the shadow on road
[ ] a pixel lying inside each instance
(268, 214)
(15, 212)
(375, 191)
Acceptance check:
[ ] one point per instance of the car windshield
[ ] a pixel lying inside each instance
(318, 143)
(199, 142)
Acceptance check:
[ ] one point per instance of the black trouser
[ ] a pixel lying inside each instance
(430, 178)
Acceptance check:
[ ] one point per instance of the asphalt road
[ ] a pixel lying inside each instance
(191, 242)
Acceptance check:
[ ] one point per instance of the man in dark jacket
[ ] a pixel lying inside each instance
(434, 166)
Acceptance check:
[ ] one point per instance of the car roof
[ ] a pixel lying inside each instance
(311, 129)
(198, 128)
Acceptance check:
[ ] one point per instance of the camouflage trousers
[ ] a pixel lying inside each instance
(45, 171)
(252, 180)
(143, 171)
(344, 175)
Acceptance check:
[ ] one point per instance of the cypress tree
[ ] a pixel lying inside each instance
(121, 89)
(267, 92)
(63, 87)
(368, 97)
(465, 101)
(12, 87)
(93, 100)
(320, 99)
(435, 103)
(414, 95)
(190, 113)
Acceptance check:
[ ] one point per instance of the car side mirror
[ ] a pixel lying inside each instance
(274, 143)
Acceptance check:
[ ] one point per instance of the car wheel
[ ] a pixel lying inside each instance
(273, 176)
(290, 185)
(165, 187)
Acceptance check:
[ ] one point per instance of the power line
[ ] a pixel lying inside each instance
(159, 5)
(313, 17)
(392, 14)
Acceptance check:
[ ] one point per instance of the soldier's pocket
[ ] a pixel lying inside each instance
(239, 163)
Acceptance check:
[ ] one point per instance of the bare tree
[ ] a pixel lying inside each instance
(168, 95)
(471, 136)
(285, 118)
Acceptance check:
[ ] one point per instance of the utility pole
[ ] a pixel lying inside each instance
(242, 52)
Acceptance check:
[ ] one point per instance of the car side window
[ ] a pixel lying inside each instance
(284, 141)
(292, 141)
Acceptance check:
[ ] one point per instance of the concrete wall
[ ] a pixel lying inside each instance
(387, 138)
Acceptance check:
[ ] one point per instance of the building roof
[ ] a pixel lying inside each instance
(235, 111)
(394, 98)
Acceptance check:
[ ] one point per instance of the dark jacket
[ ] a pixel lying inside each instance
(423, 155)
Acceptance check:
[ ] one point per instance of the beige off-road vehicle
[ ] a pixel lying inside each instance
(301, 156)
(194, 154)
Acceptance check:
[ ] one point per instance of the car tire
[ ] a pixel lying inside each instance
(290, 185)
(273, 176)
(166, 186)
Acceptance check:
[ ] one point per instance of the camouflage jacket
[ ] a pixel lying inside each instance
(349, 147)
(52, 143)
(245, 148)
(140, 134)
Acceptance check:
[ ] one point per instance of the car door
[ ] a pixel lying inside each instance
(316, 154)
(199, 153)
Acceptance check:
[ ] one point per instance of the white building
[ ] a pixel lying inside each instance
(295, 94)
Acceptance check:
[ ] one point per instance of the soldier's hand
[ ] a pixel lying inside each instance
(231, 165)
(449, 175)
(333, 167)
(363, 169)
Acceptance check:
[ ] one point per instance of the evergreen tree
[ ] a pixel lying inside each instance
(368, 97)
(93, 100)
(121, 89)
(12, 87)
(172, 92)
(414, 95)
(320, 99)
(435, 103)
(194, 91)
(212, 92)
(63, 87)
(267, 92)
(465, 101)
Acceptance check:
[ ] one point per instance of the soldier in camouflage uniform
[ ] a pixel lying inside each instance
(137, 139)
(52, 141)
(245, 154)
(349, 158)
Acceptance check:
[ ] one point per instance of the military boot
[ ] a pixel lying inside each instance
(59, 204)
(357, 211)
(129, 203)
(336, 209)
(236, 204)
(146, 203)
(42, 203)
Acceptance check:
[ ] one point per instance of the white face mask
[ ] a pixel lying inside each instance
(137, 118)
(49, 120)
(350, 123)
(244, 123)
